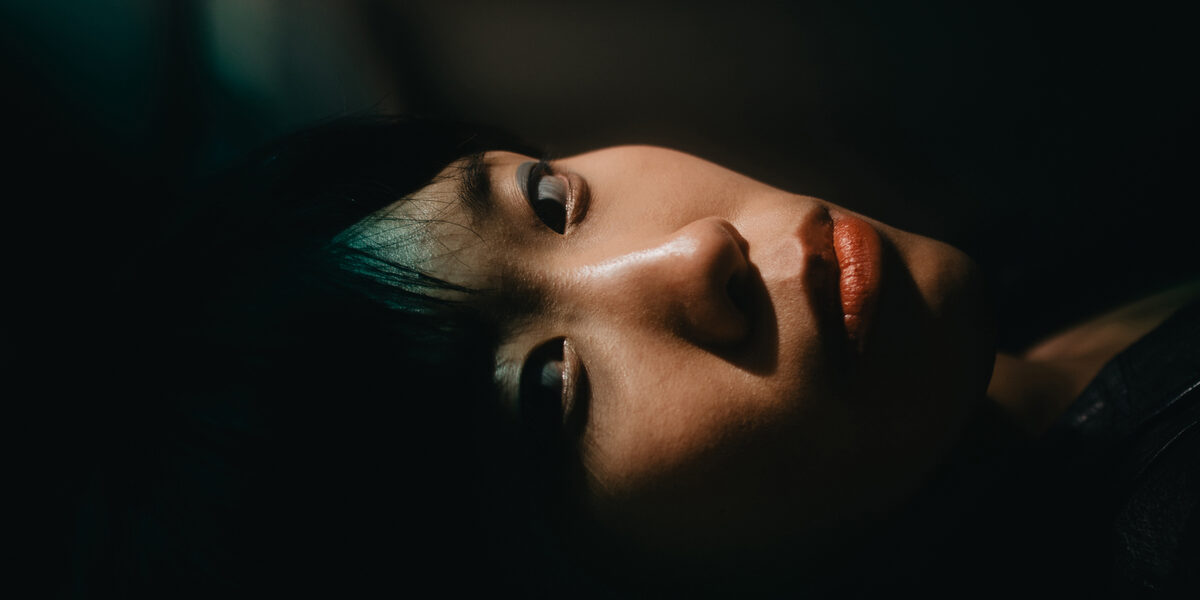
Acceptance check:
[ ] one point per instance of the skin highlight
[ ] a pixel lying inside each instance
(726, 413)
(726, 407)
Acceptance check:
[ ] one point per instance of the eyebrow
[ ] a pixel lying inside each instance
(475, 186)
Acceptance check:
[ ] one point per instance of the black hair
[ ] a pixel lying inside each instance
(297, 413)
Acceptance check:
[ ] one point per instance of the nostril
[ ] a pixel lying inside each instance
(735, 259)
(735, 289)
(700, 282)
(734, 320)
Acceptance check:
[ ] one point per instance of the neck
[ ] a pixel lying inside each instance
(1031, 393)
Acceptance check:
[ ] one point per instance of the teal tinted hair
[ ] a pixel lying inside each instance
(300, 412)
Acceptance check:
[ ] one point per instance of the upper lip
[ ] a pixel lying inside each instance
(816, 234)
(820, 270)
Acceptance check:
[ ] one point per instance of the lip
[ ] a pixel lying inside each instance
(859, 252)
(843, 270)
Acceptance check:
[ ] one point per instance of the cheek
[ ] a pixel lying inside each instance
(708, 454)
(659, 410)
(940, 328)
(928, 367)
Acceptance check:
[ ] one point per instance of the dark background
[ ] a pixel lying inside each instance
(1054, 142)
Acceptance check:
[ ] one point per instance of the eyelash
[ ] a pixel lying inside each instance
(541, 186)
(553, 392)
(541, 397)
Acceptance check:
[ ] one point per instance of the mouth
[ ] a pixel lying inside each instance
(860, 266)
(843, 271)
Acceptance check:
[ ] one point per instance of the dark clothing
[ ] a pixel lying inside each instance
(1107, 504)
(1135, 435)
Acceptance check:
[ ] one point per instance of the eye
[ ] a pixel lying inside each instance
(547, 194)
(551, 389)
(541, 389)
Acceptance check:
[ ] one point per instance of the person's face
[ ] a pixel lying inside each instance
(729, 364)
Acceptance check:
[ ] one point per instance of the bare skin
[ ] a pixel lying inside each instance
(686, 329)
(1035, 387)
(689, 320)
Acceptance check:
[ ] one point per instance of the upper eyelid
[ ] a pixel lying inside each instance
(510, 369)
(546, 167)
(517, 189)
(510, 192)
(513, 188)
(508, 379)
(579, 193)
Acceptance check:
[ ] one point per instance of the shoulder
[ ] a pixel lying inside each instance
(1109, 333)
(1139, 425)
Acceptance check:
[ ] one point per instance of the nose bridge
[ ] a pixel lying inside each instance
(681, 282)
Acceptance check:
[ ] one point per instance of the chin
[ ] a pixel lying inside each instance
(929, 365)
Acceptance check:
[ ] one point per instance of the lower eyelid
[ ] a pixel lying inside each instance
(575, 386)
(578, 198)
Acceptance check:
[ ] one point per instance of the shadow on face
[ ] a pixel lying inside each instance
(690, 325)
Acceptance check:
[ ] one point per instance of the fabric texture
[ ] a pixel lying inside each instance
(1143, 411)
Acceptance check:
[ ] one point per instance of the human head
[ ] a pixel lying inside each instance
(357, 295)
(718, 407)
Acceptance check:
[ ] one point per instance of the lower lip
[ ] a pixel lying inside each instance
(860, 263)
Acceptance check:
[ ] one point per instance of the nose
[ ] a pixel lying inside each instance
(691, 282)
